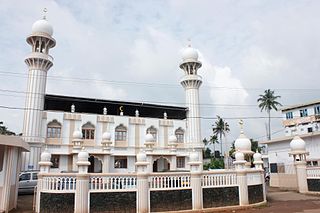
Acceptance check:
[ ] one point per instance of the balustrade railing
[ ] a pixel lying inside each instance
(109, 182)
(213, 179)
(60, 183)
(313, 173)
(170, 181)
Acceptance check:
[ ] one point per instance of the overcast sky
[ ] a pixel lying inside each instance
(131, 50)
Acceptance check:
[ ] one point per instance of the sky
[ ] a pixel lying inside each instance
(131, 50)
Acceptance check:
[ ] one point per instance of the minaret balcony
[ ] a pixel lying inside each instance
(36, 60)
(39, 55)
(191, 81)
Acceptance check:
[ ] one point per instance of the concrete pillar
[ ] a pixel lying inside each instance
(142, 183)
(106, 163)
(301, 171)
(8, 168)
(82, 184)
(243, 187)
(241, 178)
(173, 164)
(196, 174)
(82, 194)
(45, 165)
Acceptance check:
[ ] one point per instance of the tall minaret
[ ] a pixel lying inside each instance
(191, 82)
(39, 62)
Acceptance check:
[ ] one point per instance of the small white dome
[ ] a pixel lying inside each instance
(45, 156)
(83, 155)
(239, 156)
(149, 138)
(297, 144)
(257, 156)
(141, 157)
(172, 139)
(190, 54)
(77, 134)
(42, 26)
(106, 136)
(194, 157)
(242, 143)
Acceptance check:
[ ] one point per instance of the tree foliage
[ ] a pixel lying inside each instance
(4, 130)
(220, 128)
(215, 163)
(267, 102)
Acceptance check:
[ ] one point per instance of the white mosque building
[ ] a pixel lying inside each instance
(113, 132)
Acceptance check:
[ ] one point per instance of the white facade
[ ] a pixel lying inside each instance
(54, 127)
(301, 119)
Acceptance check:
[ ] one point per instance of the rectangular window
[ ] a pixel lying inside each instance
(120, 136)
(180, 138)
(289, 115)
(88, 134)
(55, 161)
(317, 110)
(120, 162)
(180, 162)
(273, 168)
(25, 176)
(303, 112)
(34, 176)
(53, 132)
(310, 129)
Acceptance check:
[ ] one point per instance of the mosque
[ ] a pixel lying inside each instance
(112, 132)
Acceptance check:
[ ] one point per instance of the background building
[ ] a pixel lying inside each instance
(302, 120)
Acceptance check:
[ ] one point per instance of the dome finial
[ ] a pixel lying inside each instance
(189, 42)
(44, 13)
(241, 125)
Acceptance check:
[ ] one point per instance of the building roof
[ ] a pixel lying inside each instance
(289, 138)
(301, 105)
(17, 141)
(95, 106)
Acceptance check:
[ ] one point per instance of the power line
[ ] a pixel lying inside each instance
(201, 117)
(154, 84)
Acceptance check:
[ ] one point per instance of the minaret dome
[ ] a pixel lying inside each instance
(189, 54)
(42, 26)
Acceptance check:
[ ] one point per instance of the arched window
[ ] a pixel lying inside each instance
(121, 133)
(54, 129)
(88, 131)
(153, 131)
(180, 135)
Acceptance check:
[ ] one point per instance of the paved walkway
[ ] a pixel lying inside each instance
(278, 202)
(287, 202)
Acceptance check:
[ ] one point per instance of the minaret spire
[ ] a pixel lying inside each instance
(44, 13)
(191, 82)
(39, 62)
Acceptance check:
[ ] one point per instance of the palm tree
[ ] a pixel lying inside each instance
(213, 140)
(220, 128)
(267, 102)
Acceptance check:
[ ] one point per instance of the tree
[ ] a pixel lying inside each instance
(212, 141)
(4, 130)
(220, 128)
(268, 101)
(207, 153)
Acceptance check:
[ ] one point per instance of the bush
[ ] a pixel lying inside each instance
(214, 164)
